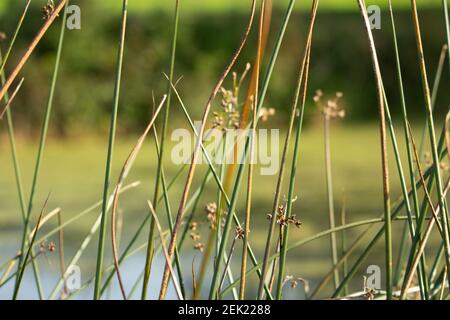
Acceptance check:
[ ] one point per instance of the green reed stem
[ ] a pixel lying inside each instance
(149, 255)
(408, 148)
(13, 40)
(261, 99)
(384, 160)
(302, 83)
(109, 159)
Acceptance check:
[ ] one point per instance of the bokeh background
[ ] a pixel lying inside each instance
(73, 165)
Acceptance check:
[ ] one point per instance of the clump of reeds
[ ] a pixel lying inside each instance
(423, 197)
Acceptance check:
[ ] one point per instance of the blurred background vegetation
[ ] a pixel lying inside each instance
(209, 32)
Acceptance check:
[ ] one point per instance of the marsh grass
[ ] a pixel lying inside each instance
(224, 270)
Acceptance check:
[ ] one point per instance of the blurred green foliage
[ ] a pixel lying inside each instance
(340, 62)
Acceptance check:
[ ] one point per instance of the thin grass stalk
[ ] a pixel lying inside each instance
(384, 160)
(109, 159)
(227, 266)
(344, 242)
(221, 197)
(247, 213)
(302, 83)
(11, 99)
(213, 291)
(214, 233)
(248, 207)
(62, 264)
(330, 198)
(15, 160)
(166, 255)
(149, 255)
(407, 138)
(45, 124)
(13, 40)
(447, 27)
(423, 284)
(436, 263)
(169, 217)
(441, 295)
(432, 134)
(178, 220)
(434, 92)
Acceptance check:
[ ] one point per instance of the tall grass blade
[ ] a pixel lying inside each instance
(301, 91)
(109, 159)
(149, 255)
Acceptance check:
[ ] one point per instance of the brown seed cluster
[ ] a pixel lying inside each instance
(229, 116)
(266, 113)
(283, 220)
(294, 281)
(195, 236)
(331, 108)
(48, 10)
(211, 214)
(47, 247)
(239, 233)
(199, 246)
